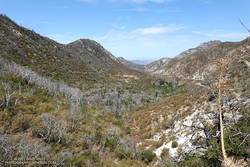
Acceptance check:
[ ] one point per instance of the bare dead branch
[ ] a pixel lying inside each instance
(244, 139)
(248, 30)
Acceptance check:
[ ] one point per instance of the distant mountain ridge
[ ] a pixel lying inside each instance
(202, 47)
(159, 66)
(141, 62)
(132, 65)
(196, 63)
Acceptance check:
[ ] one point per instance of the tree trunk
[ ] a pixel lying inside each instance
(221, 120)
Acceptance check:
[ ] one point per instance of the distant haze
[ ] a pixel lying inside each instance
(142, 62)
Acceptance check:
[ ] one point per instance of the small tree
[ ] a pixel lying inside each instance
(222, 66)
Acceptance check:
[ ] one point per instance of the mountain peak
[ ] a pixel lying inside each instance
(83, 41)
(93, 52)
(3, 16)
(202, 47)
(6, 20)
(209, 44)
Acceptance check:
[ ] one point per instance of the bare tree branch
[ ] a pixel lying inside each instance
(244, 25)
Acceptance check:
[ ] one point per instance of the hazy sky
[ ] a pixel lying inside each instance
(134, 29)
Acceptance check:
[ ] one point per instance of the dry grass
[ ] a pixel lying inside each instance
(230, 162)
(147, 121)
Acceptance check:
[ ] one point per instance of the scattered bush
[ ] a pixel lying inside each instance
(111, 143)
(168, 124)
(51, 129)
(8, 99)
(194, 162)
(165, 154)
(22, 148)
(21, 123)
(174, 144)
(74, 95)
(147, 156)
(86, 159)
(124, 154)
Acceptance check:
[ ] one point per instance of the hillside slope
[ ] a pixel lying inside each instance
(156, 66)
(183, 129)
(96, 76)
(199, 64)
(161, 66)
(82, 60)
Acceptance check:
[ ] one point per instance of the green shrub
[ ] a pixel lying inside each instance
(194, 162)
(174, 144)
(147, 156)
(233, 143)
(168, 163)
(86, 159)
(111, 143)
(124, 154)
(168, 124)
(98, 136)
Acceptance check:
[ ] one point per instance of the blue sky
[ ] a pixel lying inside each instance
(134, 29)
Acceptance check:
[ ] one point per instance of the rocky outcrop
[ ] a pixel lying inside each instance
(187, 136)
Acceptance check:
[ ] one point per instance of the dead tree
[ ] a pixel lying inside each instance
(222, 65)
